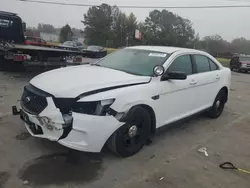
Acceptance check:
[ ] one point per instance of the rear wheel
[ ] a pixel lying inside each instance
(132, 136)
(218, 105)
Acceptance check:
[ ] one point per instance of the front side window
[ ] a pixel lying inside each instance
(182, 64)
(202, 63)
(134, 61)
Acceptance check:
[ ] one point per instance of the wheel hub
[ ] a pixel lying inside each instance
(132, 131)
(217, 104)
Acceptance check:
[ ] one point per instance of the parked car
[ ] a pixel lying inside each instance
(73, 44)
(96, 48)
(98, 51)
(124, 98)
(30, 40)
(240, 63)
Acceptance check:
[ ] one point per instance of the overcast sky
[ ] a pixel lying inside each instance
(229, 23)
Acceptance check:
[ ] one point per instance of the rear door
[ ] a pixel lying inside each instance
(207, 82)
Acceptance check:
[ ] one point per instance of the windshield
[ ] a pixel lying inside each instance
(11, 29)
(244, 58)
(134, 61)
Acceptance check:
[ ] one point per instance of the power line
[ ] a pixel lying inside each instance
(141, 7)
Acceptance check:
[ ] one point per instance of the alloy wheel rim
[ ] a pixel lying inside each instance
(132, 135)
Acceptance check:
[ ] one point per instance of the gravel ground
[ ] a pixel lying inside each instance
(172, 160)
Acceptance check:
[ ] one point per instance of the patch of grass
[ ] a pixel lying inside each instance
(225, 62)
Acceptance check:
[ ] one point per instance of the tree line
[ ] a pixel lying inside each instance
(108, 26)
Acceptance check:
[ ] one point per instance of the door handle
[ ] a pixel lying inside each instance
(193, 82)
(217, 77)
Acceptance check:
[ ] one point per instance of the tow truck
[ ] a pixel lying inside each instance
(16, 55)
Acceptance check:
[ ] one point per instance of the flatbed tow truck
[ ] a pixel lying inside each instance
(16, 55)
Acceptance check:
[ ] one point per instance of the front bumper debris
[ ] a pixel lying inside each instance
(86, 133)
(15, 111)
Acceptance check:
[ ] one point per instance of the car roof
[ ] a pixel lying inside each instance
(164, 49)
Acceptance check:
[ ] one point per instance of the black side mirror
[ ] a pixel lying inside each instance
(174, 76)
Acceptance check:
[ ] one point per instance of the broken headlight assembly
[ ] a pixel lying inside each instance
(99, 108)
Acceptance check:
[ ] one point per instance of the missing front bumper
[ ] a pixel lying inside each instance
(87, 132)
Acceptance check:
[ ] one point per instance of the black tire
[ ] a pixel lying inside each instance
(218, 106)
(122, 142)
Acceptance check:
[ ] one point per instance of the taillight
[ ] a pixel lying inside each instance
(20, 57)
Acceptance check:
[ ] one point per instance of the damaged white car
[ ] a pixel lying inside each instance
(122, 99)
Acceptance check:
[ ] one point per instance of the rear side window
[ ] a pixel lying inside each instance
(182, 64)
(213, 66)
(202, 64)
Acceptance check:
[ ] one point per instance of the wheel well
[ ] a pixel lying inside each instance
(152, 117)
(226, 91)
(153, 123)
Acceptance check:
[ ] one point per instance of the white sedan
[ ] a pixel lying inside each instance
(124, 98)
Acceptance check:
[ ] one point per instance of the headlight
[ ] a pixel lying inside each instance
(243, 65)
(93, 107)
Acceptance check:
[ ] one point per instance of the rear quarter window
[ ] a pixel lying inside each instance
(213, 65)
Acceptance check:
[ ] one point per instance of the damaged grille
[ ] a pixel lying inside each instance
(64, 104)
(34, 100)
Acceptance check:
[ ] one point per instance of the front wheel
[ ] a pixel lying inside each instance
(132, 136)
(218, 105)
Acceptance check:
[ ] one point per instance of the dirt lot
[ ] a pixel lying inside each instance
(170, 161)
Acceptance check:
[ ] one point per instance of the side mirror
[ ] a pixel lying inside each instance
(158, 70)
(174, 76)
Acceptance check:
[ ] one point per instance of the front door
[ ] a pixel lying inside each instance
(177, 96)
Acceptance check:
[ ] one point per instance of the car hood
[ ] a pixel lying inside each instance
(71, 82)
